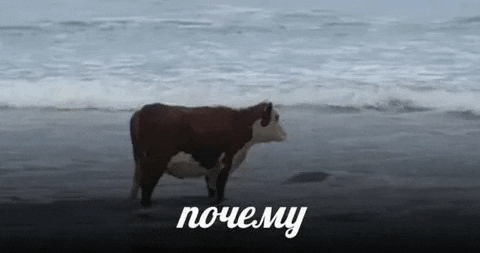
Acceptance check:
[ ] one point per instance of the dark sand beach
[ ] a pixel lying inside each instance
(372, 179)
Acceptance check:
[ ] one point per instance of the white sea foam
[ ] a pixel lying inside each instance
(119, 94)
(136, 53)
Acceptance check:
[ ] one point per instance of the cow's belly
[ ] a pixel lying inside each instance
(182, 165)
(186, 170)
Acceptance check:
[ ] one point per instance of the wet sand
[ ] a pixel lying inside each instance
(107, 225)
(65, 176)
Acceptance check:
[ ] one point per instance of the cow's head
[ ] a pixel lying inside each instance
(267, 128)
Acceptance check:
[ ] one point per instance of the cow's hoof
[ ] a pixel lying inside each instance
(212, 193)
(214, 202)
(218, 202)
(146, 203)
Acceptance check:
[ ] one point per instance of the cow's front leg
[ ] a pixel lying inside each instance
(223, 176)
(212, 176)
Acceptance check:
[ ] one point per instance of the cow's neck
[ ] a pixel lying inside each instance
(251, 114)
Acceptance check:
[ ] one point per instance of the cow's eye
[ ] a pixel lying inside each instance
(277, 117)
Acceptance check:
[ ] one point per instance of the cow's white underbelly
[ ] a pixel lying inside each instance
(182, 165)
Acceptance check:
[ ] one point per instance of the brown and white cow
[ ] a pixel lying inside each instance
(196, 141)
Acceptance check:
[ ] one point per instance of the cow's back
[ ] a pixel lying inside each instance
(163, 127)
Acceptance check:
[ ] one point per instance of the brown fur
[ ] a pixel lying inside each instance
(160, 131)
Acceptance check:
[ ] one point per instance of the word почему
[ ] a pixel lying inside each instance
(210, 215)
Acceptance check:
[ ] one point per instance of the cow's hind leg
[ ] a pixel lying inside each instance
(211, 192)
(151, 169)
(135, 185)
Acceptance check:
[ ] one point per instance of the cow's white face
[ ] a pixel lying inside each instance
(272, 132)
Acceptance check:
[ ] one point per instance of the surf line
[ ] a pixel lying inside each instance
(235, 219)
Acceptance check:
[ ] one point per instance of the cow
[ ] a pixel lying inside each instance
(196, 141)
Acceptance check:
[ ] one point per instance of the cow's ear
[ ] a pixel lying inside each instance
(267, 115)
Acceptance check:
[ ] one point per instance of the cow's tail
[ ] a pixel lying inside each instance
(136, 156)
(133, 136)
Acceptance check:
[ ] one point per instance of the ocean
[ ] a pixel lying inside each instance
(120, 55)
